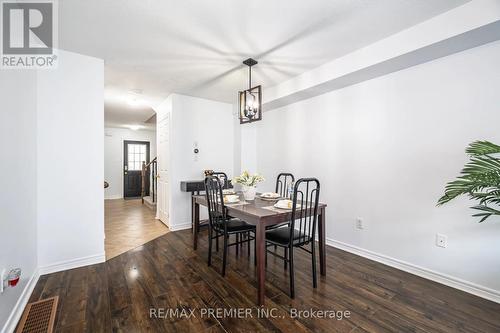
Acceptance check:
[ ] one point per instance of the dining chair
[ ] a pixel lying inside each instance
(283, 181)
(301, 230)
(225, 185)
(222, 177)
(222, 225)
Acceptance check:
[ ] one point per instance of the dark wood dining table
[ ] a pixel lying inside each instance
(258, 212)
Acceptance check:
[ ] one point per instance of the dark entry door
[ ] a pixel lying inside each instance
(134, 153)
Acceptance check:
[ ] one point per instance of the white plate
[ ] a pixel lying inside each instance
(231, 202)
(269, 199)
(281, 207)
(273, 196)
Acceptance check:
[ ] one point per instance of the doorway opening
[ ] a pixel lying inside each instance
(131, 171)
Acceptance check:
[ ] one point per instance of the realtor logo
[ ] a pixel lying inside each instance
(28, 34)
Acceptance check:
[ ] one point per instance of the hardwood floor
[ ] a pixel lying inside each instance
(129, 224)
(117, 296)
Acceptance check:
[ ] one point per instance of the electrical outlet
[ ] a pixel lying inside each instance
(441, 240)
(359, 223)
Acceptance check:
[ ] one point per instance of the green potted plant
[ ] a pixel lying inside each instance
(249, 184)
(479, 180)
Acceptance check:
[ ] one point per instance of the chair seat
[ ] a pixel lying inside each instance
(279, 225)
(282, 236)
(234, 225)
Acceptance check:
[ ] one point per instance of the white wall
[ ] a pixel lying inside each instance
(70, 162)
(210, 124)
(113, 156)
(51, 206)
(249, 150)
(18, 237)
(384, 150)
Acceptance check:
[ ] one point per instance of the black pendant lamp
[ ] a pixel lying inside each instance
(250, 99)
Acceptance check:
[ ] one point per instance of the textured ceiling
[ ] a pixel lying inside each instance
(196, 47)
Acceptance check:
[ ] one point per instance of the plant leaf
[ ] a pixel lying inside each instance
(482, 172)
(486, 212)
(479, 148)
(479, 179)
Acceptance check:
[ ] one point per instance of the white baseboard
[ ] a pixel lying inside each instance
(467, 286)
(181, 226)
(73, 263)
(113, 197)
(17, 311)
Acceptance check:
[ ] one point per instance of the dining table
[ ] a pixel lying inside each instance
(262, 214)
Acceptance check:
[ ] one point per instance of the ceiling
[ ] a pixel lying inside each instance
(195, 47)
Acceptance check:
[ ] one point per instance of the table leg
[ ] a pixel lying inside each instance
(195, 216)
(260, 242)
(192, 212)
(322, 242)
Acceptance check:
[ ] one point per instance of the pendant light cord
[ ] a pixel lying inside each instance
(249, 77)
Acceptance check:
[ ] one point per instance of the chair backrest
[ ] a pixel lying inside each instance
(305, 209)
(215, 200)
(282, 182)
(222, 177)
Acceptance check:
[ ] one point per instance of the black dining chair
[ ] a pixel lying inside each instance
(283, 181)
(222, 177)
(226, 183)
(301, 230)
(222, 225)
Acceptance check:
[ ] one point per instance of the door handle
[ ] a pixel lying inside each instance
(157, 176)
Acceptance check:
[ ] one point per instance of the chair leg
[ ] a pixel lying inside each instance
(255, 251)
(265, 249)
(313, 254)
(286, 257)
(248, 243)
(292, 280)
(209, 246)
(237, 243)
(217, 241)
(224, 256)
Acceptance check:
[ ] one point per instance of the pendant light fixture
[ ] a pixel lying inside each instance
(250, 99)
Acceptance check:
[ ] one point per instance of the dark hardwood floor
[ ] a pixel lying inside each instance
(117, 296)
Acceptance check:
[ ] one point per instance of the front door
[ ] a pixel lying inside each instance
(134, 153)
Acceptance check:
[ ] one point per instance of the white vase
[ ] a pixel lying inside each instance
(249, 192)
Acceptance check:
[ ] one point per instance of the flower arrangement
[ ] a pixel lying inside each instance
(248, 182)
(246, 179)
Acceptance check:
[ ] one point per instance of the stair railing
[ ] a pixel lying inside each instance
(149, 172)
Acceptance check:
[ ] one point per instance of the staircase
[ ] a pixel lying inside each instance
(149, 202)
(149, 179)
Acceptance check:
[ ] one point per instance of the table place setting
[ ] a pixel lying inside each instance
(234, 200)
(281, 206)
(269, 196)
